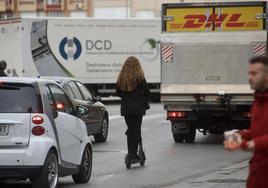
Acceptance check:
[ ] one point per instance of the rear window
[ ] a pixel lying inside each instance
(18, 98)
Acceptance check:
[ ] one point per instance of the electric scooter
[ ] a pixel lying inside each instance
(141, 154)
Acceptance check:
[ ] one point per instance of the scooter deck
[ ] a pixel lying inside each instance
(141, 154)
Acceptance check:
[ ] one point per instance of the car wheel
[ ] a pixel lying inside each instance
(50, 173)
(85, 168)
(102, 137)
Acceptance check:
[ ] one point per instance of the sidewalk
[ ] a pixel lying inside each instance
(234, 176)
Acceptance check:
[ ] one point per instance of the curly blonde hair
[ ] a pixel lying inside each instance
(130, 75)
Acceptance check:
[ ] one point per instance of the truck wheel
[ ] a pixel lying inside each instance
(179, 138)
(85, 168)
(50, 173)
(155, 98)
(188, 138)
(102, 137)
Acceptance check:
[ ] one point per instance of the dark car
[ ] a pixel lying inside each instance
(97, 118)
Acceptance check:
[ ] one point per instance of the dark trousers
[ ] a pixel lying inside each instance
(133, 132)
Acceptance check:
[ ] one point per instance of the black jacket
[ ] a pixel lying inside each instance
(133, 102)
(3, 74)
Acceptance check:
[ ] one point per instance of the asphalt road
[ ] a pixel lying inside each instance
(168, 164)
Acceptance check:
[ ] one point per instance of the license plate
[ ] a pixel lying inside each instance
(211, 102)
(4, 129)
(181, 126)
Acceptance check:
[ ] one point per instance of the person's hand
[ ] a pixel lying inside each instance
(248, 146)
(231, 145)
(251, 145)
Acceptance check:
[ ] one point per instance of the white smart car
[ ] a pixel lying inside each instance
(40, 136)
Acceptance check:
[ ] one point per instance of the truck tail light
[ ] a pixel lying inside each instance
(176, 114)
(38, 120)
(38, 130)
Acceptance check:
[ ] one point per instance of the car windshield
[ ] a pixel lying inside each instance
(18, 98)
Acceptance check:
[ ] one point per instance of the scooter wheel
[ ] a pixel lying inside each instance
(128, 165)
(142, 163)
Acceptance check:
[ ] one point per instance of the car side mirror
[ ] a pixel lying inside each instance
(55, 113)
(98, 98)
(81, 110)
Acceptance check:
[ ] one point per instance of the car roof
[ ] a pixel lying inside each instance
(24, 80)
(59, 79)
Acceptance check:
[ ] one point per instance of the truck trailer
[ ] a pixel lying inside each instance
(91, 50)
(205, 52)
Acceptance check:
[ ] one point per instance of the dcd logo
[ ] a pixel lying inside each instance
(73, 49)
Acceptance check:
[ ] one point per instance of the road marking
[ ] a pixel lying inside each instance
(105, 177)
(115, 117)
(154, 116)
(147, 117)
(145, 129)
(106, 151)
(124, 152)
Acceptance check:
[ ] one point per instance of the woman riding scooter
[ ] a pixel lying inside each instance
(134, 93)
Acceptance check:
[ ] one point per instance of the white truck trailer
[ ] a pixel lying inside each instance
(205, 52)
(91, 50)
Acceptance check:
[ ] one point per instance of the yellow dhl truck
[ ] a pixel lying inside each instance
(205, 48)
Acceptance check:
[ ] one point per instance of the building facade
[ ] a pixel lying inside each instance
(26, 8)
(88, 8)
